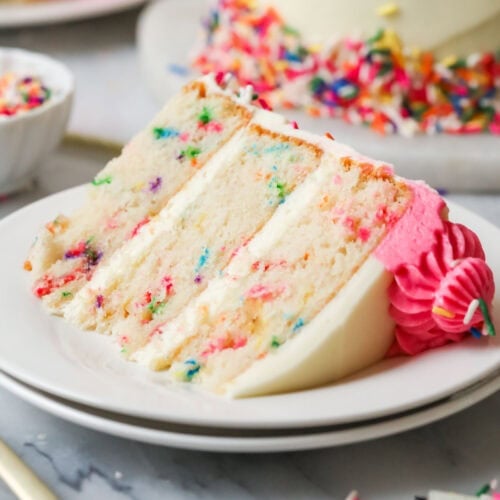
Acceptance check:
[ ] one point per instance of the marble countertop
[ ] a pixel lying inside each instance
(459, 453)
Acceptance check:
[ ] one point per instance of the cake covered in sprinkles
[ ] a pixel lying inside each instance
(369, 78)
(246, 256)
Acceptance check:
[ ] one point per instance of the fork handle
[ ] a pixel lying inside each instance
(23, 482)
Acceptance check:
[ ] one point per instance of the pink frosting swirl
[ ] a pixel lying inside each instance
(433, 301)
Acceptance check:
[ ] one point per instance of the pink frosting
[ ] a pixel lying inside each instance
(439, 270)
(415, 232)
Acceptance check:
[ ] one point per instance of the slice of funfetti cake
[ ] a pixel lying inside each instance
(134, 187)
(287, 261)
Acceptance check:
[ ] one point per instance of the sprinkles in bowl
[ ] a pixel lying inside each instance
(21, 93)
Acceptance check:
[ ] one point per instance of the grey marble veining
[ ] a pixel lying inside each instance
(460, 453)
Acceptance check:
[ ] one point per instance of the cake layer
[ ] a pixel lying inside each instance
(195, 236)
(279, 283)
(133, 188)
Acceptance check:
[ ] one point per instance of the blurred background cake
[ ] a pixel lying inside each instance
(399, 67)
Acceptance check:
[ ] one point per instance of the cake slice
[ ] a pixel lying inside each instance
(196, 235)
(276, 260)
(133, 188)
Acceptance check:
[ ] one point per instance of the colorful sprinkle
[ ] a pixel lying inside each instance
(193, 367)
(475, 332)
(168, 283)
(138, 227)
(490, 329)
(205, 116)
(202, 260)
(223, 343)
(66, 295)
(156, 306)
(298, 325)
(275, 342)
(102, 180)
(190, 152)
(364, 234)
(282, 191)
(165, 132)
(443, 312)
(58, 225)
(276, 148)
(266, 293)
(47, 284)
(85, 250)
(266, 265)
(155, 184)
(471, 310)
(483, 490)
(99, 301)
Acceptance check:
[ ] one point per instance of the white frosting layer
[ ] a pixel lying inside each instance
(444, 26)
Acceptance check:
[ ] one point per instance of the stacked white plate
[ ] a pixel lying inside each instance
(80, 376)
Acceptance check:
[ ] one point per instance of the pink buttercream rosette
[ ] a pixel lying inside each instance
(437, 301)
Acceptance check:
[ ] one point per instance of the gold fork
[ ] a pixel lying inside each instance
(23, 482)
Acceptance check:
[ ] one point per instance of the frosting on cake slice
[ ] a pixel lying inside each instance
(134, 187)
(195, 236)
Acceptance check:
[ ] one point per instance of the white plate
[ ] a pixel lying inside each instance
(210, 439)
(166, 35)
(46, 353)
(57, 11)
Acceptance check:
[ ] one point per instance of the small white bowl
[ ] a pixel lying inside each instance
(26, 138)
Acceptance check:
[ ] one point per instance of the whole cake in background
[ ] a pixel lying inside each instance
(398, 67)
(242, 254)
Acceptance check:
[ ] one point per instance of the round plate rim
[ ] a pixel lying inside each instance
(268, 444)
(12, 16)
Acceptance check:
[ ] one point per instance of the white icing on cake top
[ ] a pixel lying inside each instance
(445, 26)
